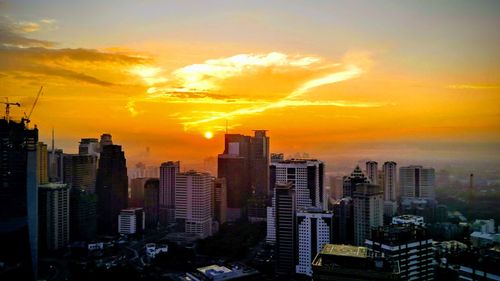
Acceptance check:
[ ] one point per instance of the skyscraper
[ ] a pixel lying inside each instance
(18, 200)
(193, 198)
(220, 200)
(55, 168)
(343, 221)
(244, 164)
(368, 211)
(82, 215)
(131, 221)
(152, 202)
(168, 171)
(111, 188)
(314, 230)
(285, 202)
(42, 166)
(307, 178)
(53, 213)
(89, 146)
(84, 172)
(372, 171)
(350, 182)
(417, 182)
(390, 185)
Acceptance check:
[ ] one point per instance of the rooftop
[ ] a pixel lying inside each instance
(53, 185)
(344, 250)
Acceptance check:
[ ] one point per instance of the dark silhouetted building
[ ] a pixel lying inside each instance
(111, 188)
(220, 200)
(18, 201)
(286, 255)
(351, 181)
(343, 221)
(168, 170)
(82, 214)
(53, 216)
(152, 202)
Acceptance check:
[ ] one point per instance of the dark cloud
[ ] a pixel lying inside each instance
(9, 37)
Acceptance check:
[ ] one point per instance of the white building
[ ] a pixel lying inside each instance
(408, 219)
(193, 199)
(417, 182)
(131, 221)
(307, 177)
(314, 230)
(372, 171)
(368, 211)
(271, 225)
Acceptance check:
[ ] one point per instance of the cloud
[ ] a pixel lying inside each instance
(472, 87)
(8, 37)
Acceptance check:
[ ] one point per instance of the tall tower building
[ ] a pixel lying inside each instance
(285, 202)
(90, 146)
(111, 188)
(55, 168)
(220, 200)
(368, 211)
(350, 182)
(343, 221)
(259, 163)
(193, 198)
(18, 200)
(168, 172)
(372, 171)
(84, 172)
(53, 213)
(82, 215)
(42, 166)
(307, 178)
(390, 184)
(417, 182)
(152, 202)
(314, 230)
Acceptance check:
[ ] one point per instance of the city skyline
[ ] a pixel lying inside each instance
(419, 84)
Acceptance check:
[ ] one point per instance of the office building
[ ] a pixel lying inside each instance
(18, 201)
(350, 182)
(409, 245)
(111, 188)
(55, 168)
(307, 178)
(137, 192)
(106, 139)
(343, 221)
(131, 221)
(220, 200)
(368, 211)
(89, 146)
(42, 166)
(285, 208)
(82, 215)
(83, 172)
(417, 182)
(152, 202)
(53, 216)
(345, 262)
(314, 230)
(193, 199)
(168, 171)
(372, 171)
(389, 183)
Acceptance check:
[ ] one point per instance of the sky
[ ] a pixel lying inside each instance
(412, 81)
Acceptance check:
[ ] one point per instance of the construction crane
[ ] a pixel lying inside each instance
(7, 107)
(27, 117)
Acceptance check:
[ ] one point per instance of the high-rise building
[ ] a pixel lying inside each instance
(152, 202)
(55, 168)
(111, 188)
(137, 192)
(390, 184)
(345, 262)
(53, 216)
(42, 166)
(314, 230)
(193, 198)
(89, 146)
(368, 211)
(343, 221)
(131, 221)
(307, 178)
(417, 182)
(168, 172)
(84, 172)
(350, 182)
(82, 215)
(372, 171)
(285, 203)
(220, 200)
(245, 166)
(105, 140)
(18, 201)
(409, 245)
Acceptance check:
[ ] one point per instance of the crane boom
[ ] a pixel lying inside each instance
(34, 104)
(7, 107)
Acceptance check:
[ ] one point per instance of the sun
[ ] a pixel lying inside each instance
(208, 135)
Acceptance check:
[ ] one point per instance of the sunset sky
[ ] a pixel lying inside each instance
(336, 79)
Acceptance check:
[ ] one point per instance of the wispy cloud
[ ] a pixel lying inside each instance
(473, 87)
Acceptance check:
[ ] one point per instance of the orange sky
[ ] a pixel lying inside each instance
(332, 95)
